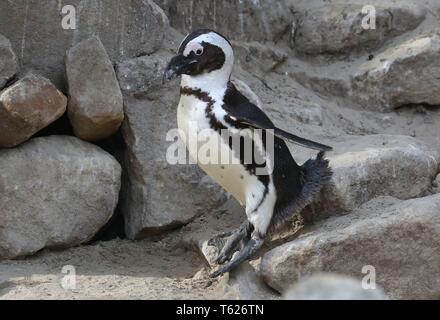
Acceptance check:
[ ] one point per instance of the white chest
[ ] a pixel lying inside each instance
(191, 114)
(210, 151)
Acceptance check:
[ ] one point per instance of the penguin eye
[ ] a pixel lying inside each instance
(199, 51)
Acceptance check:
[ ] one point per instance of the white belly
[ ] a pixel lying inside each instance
(191, 118)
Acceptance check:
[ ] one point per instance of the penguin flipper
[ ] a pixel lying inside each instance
(301, 141)
(249, 115)
(244, 114)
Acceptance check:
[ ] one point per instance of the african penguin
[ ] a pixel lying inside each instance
(211, 102)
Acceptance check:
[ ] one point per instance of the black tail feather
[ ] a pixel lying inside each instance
(316, 173)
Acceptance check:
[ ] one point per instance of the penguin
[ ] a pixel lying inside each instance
(211, 102)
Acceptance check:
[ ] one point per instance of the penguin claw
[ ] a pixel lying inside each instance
(222, 258)
(219, 272)
(250, 248)
(225, 255)
(233, 243)
(220, 238)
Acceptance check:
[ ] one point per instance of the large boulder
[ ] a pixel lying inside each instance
(8, 61)
(337, 28)
(156, 195)
(377, 165)
(401, 75)
(127, 29)
(393, 242)
(55, 192)
(95, 100)
(28, 106)
(246, 20)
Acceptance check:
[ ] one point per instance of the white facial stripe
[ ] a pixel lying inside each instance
(183, 40)
(192, 46)
(214, 39)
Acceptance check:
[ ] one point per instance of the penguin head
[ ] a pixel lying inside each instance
(202, 55)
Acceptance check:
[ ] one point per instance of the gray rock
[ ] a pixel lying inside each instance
(56, 192)
(243, 283)
(28, 106)
(8, 61)
(306, 112)
(327, 286)
(258, 57)
(399, 239)
(207, 246)
(371, 166)
(210, 249)
(127, 29)
(95, 100)
(157, 196)
(337, 28)
(247, 20)
(327, 84)
(400, 76)
(141, 76)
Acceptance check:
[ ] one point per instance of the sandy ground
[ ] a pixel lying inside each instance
(118, 269)
(167, 267)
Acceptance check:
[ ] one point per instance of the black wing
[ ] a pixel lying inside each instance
(242, 112)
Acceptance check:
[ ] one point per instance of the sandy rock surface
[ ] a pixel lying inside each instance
(376, 165)
(401, 75)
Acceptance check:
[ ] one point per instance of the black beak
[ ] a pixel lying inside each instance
(177, 66)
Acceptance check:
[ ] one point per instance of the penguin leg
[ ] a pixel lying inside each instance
(248, 250)
(233, 241)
